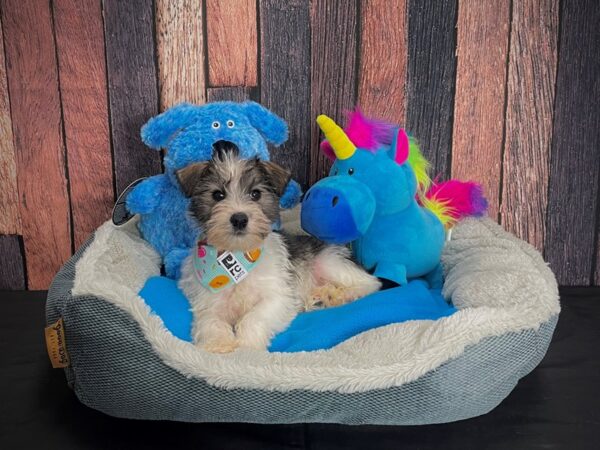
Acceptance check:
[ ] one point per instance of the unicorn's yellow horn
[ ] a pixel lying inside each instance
(341, 144)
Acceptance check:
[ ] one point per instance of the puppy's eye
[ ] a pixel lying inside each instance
(230, 124)
(216, 125)
(218, 196)
(350, 171)
(255, 195)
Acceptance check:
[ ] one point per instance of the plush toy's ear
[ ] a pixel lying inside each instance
(189, 177)
(158, 131)
(400, 147)
(273, 128)
(278, 176)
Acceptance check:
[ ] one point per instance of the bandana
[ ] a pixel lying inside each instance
(217, 270)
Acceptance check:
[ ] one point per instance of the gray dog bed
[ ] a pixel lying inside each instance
(125, 363)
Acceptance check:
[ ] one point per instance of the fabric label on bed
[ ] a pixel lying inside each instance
(56, 345)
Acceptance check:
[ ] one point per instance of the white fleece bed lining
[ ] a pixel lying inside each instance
(499, 283)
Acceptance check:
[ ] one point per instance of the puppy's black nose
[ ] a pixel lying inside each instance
(239, 221)
(223, 146)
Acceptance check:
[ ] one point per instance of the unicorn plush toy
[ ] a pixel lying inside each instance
(378, 197)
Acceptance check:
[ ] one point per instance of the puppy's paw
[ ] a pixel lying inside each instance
(220, 346)
(250, 335)
(328, 295)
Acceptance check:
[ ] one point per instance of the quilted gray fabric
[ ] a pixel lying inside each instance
(114, 369)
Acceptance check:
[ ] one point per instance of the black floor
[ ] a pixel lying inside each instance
(555, 407)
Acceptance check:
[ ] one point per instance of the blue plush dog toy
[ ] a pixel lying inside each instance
(189, 133)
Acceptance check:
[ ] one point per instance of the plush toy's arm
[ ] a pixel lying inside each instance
(391, 271)
(291, 196)
(144, 197)
(173, 262)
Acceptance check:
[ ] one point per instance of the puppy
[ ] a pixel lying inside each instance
(244, 281)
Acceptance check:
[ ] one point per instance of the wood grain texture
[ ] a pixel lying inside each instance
(180, 49)
(82, 74)
(596, 275)
(383, 59)
(431, 79)
(12, 273)
(10, 220)
(132, 90)
(334, 38)
(231, 33)
(575, 160)
(232, 94)
(529, 107)
(40, 155)
(285, 78)
(482, 46)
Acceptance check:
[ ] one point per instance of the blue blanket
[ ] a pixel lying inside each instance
(315, 330)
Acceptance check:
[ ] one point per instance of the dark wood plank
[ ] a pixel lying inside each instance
(530, 100)
(132, 91)
(482, 49)
(431, 79)
(180, 49)
(232, 94)
(334, 37)
(383, 56)
(40, 154)
(285, 78)
(12, 273)
(10, 220)
(232, 42)
(82, 74)
(575, 160)
(596, 276)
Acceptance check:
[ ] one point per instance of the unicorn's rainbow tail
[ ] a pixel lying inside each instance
(453, 200)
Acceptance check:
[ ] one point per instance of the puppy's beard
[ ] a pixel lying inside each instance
(221, 235)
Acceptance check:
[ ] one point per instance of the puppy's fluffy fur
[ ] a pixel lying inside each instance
(294, 272)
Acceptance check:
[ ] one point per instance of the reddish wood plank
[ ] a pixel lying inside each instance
(574, 184)
(431, 79)
(180, 49)
(530, 102)
(232, 42)
(383, 55)
(82, 74)
(334, 37)
(232, 94)
(285, 78)
(10, 220)
(482, 46)
(12, 273)
(133, 96)
(40, 154)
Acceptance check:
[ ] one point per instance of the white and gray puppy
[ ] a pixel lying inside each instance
(235, 202)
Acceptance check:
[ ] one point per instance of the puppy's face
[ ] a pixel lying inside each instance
(235, 201)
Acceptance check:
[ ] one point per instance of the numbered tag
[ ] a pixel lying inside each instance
(232, 265)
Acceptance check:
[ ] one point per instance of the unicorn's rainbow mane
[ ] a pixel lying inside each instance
(449, 201)
(371, 134)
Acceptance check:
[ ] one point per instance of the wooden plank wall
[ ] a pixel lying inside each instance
(502, 92)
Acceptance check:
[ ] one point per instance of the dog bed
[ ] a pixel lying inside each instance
(124, 361)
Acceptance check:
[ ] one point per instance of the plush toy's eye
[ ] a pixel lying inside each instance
(216, 125)
(218, 196)
(230, 123)
(350, 171)
(255, 195)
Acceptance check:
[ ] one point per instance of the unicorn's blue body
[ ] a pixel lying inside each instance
(369, 199)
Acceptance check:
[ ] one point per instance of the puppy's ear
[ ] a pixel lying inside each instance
(277, 176)
(189, 177)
